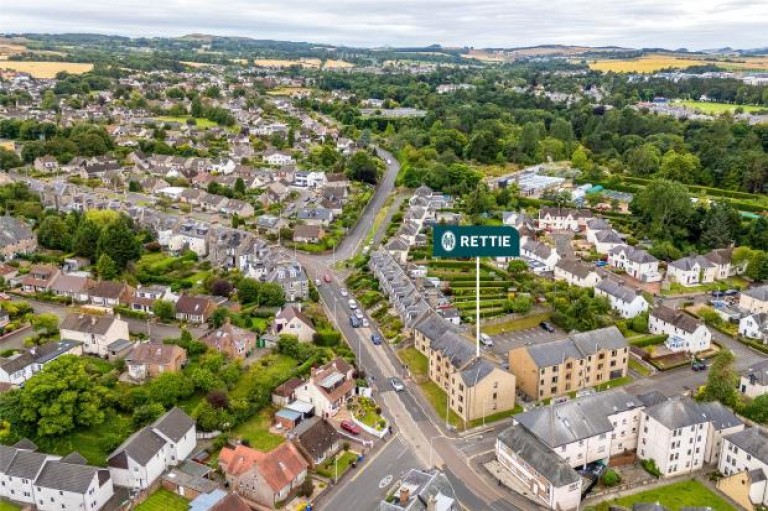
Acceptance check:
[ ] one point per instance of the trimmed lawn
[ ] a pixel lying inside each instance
(523, 323)
(328, 469)
(94, 443)
(416, 362)
(436, 396)
(638, 367)
(99, 364)
(731, 282)
(612, 384)
(202, 122)
(720, 108)
(496, 417)
(163, 500)
(276, 371)
(7, 506)
(674, 496)
(256, 431)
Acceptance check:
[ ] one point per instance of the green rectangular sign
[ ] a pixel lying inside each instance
(475, 241)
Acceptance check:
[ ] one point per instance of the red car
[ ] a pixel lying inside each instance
(327, 278)
(351, 427)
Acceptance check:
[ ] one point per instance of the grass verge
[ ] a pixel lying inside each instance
(523, 323)
(686, 494)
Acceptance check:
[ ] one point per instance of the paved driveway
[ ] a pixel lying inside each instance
(502, 343)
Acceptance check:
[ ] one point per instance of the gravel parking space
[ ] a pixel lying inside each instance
(502, 343)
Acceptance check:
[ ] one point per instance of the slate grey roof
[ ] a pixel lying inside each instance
(26, 464)
(423, 485)
(476, 371)
(758, 293)
(679, 319)
(752, 440)
(608, 236)
(651, 398)
(687, 263)
(174, 424)
(684, 412)
(551, 466)
(88, 323)
(66, 476)
(633, 254)
(577, 346)
(578, 419)
(6, 457)
(37, 355)
(758, 373)
(720, 256)
(575, 267)
(598, 224)
(619, 291)
(538, 249)
(140, 447)
(13, 230)
(316, 436)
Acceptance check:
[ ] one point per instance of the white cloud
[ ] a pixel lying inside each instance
(479, 23)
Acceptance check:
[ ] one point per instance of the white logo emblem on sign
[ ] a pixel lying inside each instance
(448, 241)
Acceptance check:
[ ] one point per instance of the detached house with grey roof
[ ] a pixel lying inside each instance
(637, 263)
(421, 490)
(692, 271)
(684, 332)
(623, 299)
(755, 299)
(145, 455)
(579, 361)
(754, 381)
(577, 273)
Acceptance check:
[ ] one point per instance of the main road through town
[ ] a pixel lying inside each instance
(417, 436)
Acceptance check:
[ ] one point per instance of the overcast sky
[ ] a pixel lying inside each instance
(693, 24)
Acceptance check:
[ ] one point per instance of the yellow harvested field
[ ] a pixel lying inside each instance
(336, 64)
(45, 69)
(311, 63)
(193, 64)
(655, 62)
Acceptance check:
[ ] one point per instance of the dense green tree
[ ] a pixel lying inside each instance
(643, 160)
(363, 167)
(106, 268)
(54, 233)
(484, 147)
(46, 323)
(664, 207)
(147, 414)
(163, 310)
(722, 381)
(58, 399)
(86, 238)
(683, 168)
(721, 226)
(170, 388)
(260, 293)
(119, 242)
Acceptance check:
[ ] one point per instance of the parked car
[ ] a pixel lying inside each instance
(359, 314)
(352, 304)
(731, 292)
(698, 365)
(343, 292)
(327, 277)
(351, 427)
(354, 322)
(718, 294)
(366, 323)
(486, 340)
(318, 282)
(397, 384)
(546, 326)
(376, 339)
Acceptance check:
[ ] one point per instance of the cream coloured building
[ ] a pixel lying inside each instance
(476, 387)
(579, 361)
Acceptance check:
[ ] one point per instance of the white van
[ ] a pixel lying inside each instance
(486, 340)
(352, 304)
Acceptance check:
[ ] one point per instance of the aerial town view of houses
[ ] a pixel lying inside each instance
(219, 289)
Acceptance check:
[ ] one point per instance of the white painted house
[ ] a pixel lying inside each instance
(637, 263)
(692, 271)
(52, 483)
(563, 219)
(681, 435)
(744, 463)
(755, 326)
(543, 256)
(623, 299)
(146, 454)
(96, 332)
(685, 333)
(278, 158)
(20, 367)
(577, 273)
(755, 299)
(754, 381)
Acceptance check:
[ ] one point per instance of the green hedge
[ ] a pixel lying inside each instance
(648, 340)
